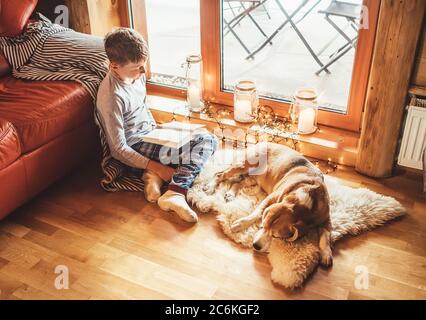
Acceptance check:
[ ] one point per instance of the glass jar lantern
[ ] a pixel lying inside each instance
(304, 110)
(194, 76)
(246, 101)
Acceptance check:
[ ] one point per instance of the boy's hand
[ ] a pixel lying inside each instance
(164, 172)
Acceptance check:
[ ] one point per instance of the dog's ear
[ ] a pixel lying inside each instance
(295, 235)
(299, 229)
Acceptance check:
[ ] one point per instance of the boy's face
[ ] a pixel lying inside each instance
(129, 71)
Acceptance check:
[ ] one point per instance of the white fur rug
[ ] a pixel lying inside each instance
(352, 211)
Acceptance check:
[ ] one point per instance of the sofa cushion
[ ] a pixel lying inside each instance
(13, 187)
(10, 148)
(4, 65)
(43, 110)
(14, 16)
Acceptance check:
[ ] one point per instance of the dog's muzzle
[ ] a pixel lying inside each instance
(262, 241)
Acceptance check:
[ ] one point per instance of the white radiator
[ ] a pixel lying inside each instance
(414, 139)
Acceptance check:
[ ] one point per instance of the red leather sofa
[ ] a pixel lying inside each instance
(46, 127)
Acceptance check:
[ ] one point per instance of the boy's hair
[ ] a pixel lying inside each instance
(124, 45)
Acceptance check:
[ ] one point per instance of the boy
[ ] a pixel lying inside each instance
(125, 119)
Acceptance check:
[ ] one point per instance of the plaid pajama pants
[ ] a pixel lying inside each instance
(188, 160)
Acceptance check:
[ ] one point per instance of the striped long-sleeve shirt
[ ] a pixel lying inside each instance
(125, 117)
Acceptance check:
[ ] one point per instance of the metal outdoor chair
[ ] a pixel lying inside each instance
(242, 10)
(352, 13)
(240, 6)
(292, 19)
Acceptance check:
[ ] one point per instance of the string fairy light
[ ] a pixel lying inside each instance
(266, 123)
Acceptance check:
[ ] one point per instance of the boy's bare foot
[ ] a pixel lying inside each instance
(152, 185)
(175, 201)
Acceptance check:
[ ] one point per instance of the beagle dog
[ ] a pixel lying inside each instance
(297, 199)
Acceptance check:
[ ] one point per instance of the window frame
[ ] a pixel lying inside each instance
(211, 50)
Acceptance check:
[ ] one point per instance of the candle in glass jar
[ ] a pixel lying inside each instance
(306, 121)
(194, 97)
(242, 111)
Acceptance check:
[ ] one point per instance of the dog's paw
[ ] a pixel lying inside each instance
(326, 258)
(204, 207)
(229, 196)
(209, 188)
(240, 225)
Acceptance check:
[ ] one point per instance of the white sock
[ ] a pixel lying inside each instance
(175, 201)
(152, 185)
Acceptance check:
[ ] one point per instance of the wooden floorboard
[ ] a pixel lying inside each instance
(118, 246)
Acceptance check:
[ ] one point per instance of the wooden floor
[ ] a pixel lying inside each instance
(118, 246)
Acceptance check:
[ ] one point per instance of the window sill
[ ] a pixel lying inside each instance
(328, 143)
(417, 91)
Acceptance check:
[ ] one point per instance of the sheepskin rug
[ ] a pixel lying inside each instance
(352, 211)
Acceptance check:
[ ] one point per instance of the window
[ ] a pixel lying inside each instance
(306, 35)
(173, 32)
(283, 45)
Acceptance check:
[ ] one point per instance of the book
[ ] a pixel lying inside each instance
(172, 134)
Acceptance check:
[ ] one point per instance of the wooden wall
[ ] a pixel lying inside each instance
(419, 72)
(398, 32)
(79, 16)
(96, 17)
(106, 14)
